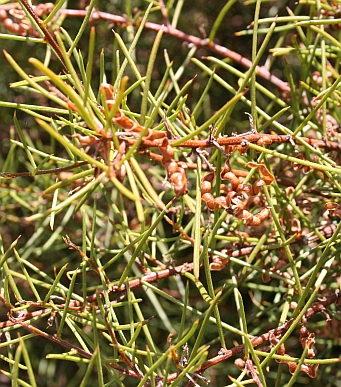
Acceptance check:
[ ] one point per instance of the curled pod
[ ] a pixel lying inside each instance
(206, 187)
(171, 167)
(208, 198)
(206, 183)
(251, 219)
(214, 203)
(3, 14)
(333, 208)
(274, 341)
(257, 186)
(247, 188)
(267, 176)
(297, 167)
(119, 118)
(229, 197)
(304, 334)
(179, 181)
(221, 201)
(237, 204)
(14, 27)
(167, 152)
(231, 177)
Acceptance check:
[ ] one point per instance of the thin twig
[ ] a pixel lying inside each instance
(194, 40)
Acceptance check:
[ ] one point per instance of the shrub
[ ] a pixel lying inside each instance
(167, 238)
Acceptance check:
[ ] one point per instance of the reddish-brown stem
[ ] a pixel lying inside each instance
(48, 37)
(205, 43)
(239, 141)
(9, 175)
(224, 354)
(80, 351)
(253, 138)
(256, 341)
(149, 277)
(56, 340)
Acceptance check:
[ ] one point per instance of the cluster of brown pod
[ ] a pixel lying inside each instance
(16, 21)
(176, 170)
(239, 197)
(334, 209)
(307, 341)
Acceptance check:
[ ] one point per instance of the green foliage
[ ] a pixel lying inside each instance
(123, 274)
